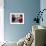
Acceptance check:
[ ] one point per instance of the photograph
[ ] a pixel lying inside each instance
(16, 18)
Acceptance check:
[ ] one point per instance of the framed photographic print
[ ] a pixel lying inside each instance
(16, 18)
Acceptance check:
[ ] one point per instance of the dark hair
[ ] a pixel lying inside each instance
(13, 15)
(21, 15)
(13, 18)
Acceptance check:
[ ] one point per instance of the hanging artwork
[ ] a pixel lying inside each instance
(16, 18)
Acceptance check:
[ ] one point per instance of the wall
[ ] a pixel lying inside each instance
(43, 6)
(28, 7)
(1, 21)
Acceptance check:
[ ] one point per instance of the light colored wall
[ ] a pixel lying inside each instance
(29, 8)
(1, 20)
(43, 6)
